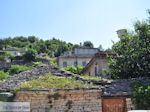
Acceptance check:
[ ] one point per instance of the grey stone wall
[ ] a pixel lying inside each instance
(40, 70)
(62, 100)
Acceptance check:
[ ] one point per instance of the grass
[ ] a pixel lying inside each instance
(54, 82)
(15, 69)
(3, 75)
(87, 77)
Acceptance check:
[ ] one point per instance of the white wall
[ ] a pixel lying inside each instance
(100, 63)
(70, 61)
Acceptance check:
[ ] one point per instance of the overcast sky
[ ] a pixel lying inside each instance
(70, 20)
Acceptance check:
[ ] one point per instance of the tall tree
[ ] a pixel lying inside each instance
(32, 39)
(132, 53)
(101, 48)
(88, 44)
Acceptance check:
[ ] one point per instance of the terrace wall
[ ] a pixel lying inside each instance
(83, 100)
(62, 100)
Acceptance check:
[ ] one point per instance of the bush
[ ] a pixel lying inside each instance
(74, 69)
(87, 77)
(141, 95)
(30, 55)
(3, 75)
(53, 61)
(17, 69)
(3, 55)
(54, 82)
(37, 63)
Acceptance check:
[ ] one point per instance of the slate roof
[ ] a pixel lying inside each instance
(122, 87)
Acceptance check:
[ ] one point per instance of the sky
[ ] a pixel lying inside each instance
(73, 21)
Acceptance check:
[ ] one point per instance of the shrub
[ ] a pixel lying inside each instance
(3, 55)
(141, 95)
(18, 68)
(51, 81)
(87, 77)
(74, 69)
(37, 63)
(53, 61)
(30, 55)
(3, 75)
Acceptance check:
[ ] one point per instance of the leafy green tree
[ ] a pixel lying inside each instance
(88, 44)
(54, 47)
(30, 55)
(132, 53)
(108, 50)
(32, 39)
(1, 44)
(76, 46)
(141, 95)
(101, 48)
(41, 47)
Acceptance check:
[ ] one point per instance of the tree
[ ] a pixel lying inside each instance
(88, 44)
(76, 46)
(132, 53)
(32, 39)
(1, 44)
(30, 55)
(101, 48)
(108, 50)
(141, 95)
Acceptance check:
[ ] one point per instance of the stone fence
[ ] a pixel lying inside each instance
(14, 81)
(4, 65)
(82, 100)
(62, 100)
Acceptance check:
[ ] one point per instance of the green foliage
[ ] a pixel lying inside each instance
(88, 44)
(18, 68)
(37, 63)
(53, 61)
(132, 53)
(53, 47)
(101, 48)
(53, 82)
(87, 77)
(32, 39)
(3, 55)
(30, 55)
(74, 69)
(141, 95)
(3, 75)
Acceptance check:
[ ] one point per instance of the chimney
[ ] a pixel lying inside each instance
(121, 32)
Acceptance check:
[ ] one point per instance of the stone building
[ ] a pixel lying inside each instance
(78, 56)
(15, 51)
(97, 64)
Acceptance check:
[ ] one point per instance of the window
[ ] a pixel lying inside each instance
(84, 63)
(64, 64)
(75, 63)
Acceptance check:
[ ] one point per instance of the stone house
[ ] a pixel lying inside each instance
(78, 56)
(97, 64)
(15, 51)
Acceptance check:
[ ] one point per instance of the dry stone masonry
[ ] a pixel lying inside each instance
(41, 70)
(62, 100)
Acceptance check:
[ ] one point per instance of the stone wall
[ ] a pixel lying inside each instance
(4, 65)
(62, 100)
(41, 70)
